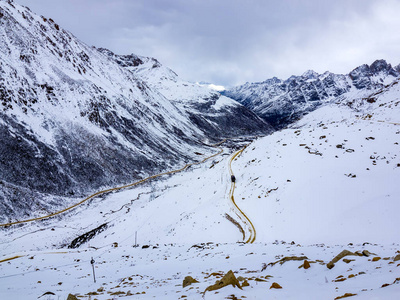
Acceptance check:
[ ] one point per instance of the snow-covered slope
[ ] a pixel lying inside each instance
(209, 110)
(331, 177)
(281, 102)
(326, 184)
(74, 119)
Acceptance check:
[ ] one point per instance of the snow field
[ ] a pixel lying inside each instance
(327, 183)
(330, 182)
(158, 272)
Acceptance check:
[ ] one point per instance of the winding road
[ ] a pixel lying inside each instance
(241, 215)
(116, 189)
(248, 238)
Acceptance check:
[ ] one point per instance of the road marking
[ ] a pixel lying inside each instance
(11, 258)
(242, 216)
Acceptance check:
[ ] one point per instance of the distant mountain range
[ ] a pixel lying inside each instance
(75, 118)
(281, 102)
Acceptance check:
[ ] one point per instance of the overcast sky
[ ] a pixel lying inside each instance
(229, 42)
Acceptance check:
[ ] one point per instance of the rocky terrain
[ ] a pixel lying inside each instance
(75, 118)
(281, 102)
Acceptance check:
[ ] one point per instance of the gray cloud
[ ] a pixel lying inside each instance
(232, 41)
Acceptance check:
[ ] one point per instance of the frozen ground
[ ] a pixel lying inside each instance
(158, 272)
(328, 183)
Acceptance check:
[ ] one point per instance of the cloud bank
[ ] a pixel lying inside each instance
(229, 42)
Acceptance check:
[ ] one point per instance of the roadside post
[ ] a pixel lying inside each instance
(94, 276)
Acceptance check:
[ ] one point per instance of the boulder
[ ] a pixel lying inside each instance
(245, 283)
(228, 279)
(345, 296)
(366, 253)
(188, 281)
(306, 264)
(286, 259)
(275, 286)
(338, 257)
(72, 297)
(376, 258)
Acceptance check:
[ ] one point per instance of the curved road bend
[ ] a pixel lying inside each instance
(116, 189)
(242, 216)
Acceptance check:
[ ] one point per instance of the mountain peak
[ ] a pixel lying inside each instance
(75, 118)
(310, 74)
(382, 66)
(379, 65)
(361, 76)
(281, 102)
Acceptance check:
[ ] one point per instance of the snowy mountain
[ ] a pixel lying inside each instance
(306, 212)
(322, 195)
(281, 102)
(75, 118)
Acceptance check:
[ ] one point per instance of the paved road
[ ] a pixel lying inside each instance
(241, 215)
(115, 189)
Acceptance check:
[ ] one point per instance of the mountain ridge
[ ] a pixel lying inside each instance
(281, 102)
(75, 120)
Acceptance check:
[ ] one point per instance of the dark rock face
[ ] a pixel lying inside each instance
(84, 238)
(75, 119)
(281, 102)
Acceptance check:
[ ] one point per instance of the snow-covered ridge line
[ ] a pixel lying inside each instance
(76, 119)
(281, 102)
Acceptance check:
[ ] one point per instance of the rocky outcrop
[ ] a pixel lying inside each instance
(275, 285)
(84, 238)
(72, 297)
(188, 281)
(285, 259)
(228, 279)
(338, 257)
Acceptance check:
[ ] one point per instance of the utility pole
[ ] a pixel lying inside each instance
(94, 276)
